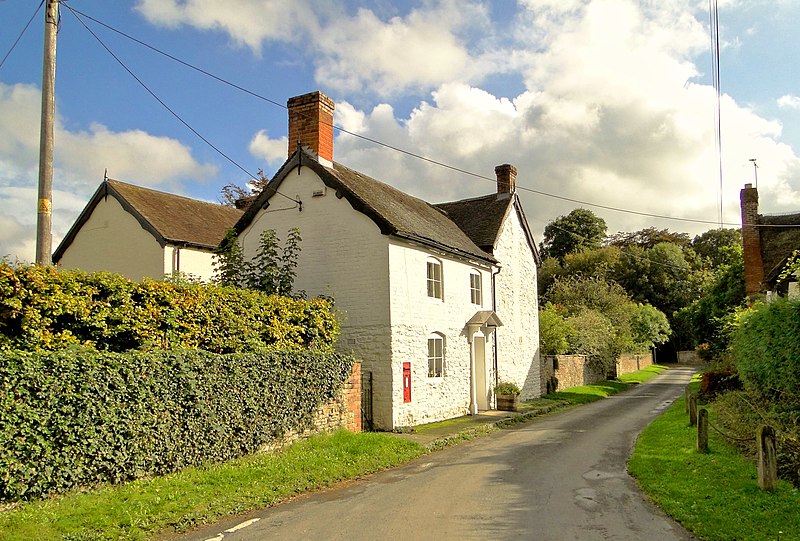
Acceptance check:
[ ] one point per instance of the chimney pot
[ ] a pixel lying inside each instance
(311, 124)
(506, 178)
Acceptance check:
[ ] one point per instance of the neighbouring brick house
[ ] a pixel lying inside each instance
(438, 301)
(767, 242)
(143, 233)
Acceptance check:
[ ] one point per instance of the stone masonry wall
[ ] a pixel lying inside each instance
(631, 363)
(344, 411)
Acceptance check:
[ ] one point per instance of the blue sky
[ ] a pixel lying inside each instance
(607, 102)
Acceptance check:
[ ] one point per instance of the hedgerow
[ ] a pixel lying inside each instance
(766, 350)
(43, 308)
(79, 417)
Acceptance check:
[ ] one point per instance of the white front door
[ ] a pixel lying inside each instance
(481, 391)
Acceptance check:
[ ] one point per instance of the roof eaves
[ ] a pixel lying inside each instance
(104, 190)
(527, 229)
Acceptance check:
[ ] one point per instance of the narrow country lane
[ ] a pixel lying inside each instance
(559, 478)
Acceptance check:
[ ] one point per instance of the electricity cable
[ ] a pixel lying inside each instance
(167, 107)
(407, 152)
(21, 34)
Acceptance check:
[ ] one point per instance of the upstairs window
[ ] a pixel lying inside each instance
(436, 356)
(475, 287)
(435, 289)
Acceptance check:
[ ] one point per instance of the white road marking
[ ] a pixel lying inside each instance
(244, 524)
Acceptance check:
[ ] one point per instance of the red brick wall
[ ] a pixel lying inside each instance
(751, 241)
(311, 121)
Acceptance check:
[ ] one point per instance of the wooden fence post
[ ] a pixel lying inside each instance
(767, 458)
(686, 394)
(702, 430)
(692, 409)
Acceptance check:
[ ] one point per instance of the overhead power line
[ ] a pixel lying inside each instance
(19, 37)
(165, 106)
(383, 144)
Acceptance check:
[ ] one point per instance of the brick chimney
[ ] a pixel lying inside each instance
(311, 122)
(506, 178)
(751, 241)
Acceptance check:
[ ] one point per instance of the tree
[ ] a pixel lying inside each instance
(554, 331)
(648, 238)
(579, 230)
(233, 195)
(718, 247)
(272, 270)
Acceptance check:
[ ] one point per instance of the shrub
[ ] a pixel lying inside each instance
(554, 332)
(80, 417)
(766, 349)
(507, 388)
(43, 308)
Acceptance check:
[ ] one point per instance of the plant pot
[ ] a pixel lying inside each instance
(507, 402)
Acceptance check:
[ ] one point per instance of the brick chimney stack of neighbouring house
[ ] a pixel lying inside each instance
(506, 178)
(751, 241)
(311, 122)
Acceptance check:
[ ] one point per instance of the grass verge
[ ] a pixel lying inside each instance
(195, 496)
(714, 494)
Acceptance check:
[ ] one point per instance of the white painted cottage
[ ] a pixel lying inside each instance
(144, 233)
(438, 301)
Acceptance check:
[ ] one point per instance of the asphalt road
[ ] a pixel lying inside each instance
(562, 477)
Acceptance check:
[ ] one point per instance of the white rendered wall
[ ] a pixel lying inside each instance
(342, 255)
(517, 308)
(415, 316)
(193, 262)
(113, 240)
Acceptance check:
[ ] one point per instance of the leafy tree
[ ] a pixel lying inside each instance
(605, 320)
(580, 229)
(272, 270)
(648, 238)
(554, 332)
(718, 247)
(230, 268)
(649, 326)
(599, 263)
(664, 276)
(593, 337)
(232, 195)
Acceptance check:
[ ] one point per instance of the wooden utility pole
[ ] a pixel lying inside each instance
(44, 236)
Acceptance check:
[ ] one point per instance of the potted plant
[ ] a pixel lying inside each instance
(507, 394)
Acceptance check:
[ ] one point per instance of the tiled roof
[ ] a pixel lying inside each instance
(171, 219)
(480, 218)
(394, 212)
(778, 243)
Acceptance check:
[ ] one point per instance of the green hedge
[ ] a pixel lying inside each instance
(79, 417)
(49, 309)
(766, 349)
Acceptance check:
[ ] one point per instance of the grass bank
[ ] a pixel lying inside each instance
(713, 494)
(194, 496)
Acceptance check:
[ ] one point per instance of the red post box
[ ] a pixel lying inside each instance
(406, 382)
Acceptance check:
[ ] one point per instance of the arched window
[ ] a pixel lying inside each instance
(436, 363)
(435, 286)
(476, 287)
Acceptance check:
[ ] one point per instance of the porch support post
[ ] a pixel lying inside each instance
(473, 383)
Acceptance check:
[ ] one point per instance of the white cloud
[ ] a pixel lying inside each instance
(273, 151)
(789, 101)
(366, 51)
(80, 160)
(248, 23)
(610, 116)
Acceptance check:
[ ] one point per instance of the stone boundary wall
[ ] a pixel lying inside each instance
(688, 357)
(629, 362)
(574, 370)
(342, 412)
(569, 370)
